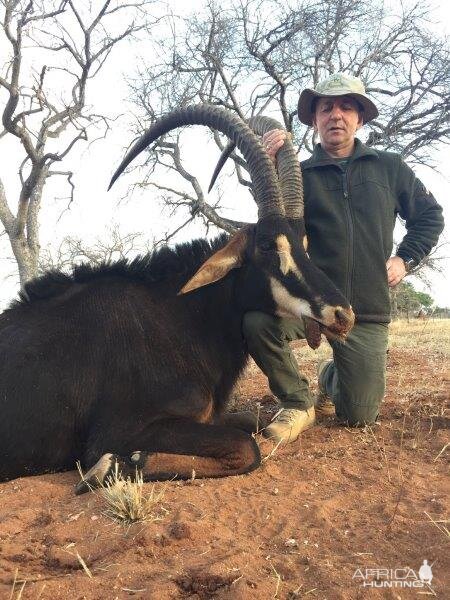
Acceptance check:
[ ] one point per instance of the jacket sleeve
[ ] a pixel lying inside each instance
(422, 214)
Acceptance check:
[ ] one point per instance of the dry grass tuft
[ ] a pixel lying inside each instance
(440, 524)
(277, 581)
(127, 501)
(431, 335)
(272, 452)
(16, 594)
(83, 565)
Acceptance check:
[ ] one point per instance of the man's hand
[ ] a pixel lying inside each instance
(395, 270)
(273, 140)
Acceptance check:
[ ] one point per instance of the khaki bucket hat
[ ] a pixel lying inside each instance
(339, 84)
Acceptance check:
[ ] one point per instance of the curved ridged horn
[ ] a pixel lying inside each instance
(289, 172)
(226, 153)
(262, 172)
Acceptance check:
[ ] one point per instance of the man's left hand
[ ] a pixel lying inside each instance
(395, 270)
(273, 140)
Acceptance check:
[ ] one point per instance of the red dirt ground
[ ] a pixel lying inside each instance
(335, 501)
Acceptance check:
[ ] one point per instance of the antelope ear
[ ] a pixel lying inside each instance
(220, 263)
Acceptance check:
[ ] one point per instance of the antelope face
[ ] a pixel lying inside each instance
(278, 277)
(275, 274)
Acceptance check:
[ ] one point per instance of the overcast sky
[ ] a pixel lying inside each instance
(94, 210)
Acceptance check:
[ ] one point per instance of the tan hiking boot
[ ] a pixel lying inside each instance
(323, 404)
(288, 423)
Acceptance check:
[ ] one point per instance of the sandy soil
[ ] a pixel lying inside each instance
(335, 501)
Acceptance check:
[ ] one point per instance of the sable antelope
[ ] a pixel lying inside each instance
(134, 361)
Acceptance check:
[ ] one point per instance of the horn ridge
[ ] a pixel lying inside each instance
(262, 172)
(288, 168)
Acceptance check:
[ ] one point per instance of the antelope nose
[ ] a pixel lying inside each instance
(345, 317)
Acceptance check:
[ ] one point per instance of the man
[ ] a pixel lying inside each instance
(352, 196)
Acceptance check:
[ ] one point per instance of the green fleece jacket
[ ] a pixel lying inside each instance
(350, 217)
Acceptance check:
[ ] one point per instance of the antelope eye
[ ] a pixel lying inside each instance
(266, 246)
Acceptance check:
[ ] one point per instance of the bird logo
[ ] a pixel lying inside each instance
(425, 572)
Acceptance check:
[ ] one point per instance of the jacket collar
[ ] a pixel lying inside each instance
(320, 157)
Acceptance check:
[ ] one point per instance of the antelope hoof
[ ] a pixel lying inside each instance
(96, 475)
(244, 420)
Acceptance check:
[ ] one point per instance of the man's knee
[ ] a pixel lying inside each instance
(256, 324)
(358, 415)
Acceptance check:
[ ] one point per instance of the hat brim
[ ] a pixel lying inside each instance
(305, 113)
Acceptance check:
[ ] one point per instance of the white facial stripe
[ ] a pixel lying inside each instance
(287, 263)
(288, 305)
(283, 244)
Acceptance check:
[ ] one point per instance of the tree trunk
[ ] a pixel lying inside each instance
(394, 306)
(26, 257)
(25, 244)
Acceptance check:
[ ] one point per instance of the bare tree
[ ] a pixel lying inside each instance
(254, 56)
(74, 250)
(55, 48)
(434, 263)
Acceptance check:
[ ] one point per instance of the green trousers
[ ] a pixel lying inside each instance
(355, 380)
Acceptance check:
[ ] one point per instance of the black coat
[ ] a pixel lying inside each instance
(350, 216)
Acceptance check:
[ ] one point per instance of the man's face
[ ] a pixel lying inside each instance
(337, 119)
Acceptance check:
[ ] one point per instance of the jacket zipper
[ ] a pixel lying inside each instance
(350, 223)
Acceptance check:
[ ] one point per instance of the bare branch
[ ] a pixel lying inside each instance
(6, 216)
(51, 157)
(45, 16)
(256, 55)
(77, 43)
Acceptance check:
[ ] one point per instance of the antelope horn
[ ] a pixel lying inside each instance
(265, 182)
(289, 172)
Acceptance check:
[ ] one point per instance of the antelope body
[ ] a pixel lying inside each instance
(134, 361)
